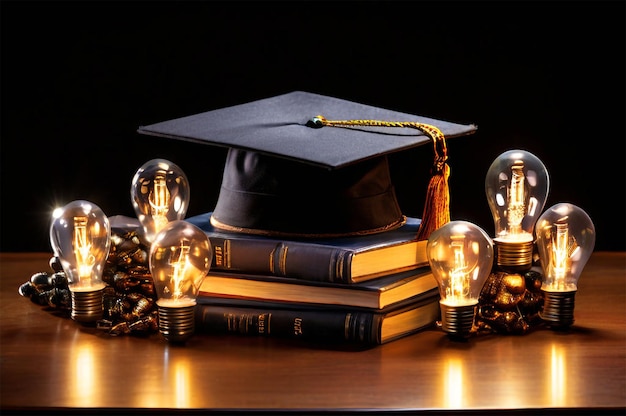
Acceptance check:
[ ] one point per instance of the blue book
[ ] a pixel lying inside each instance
(345, 260)
(315, 324)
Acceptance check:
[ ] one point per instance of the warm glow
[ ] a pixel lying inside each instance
(160, 194)
(171, 384)
(559, 263)
(159, 200)
(85, 375)
(180, 258)
(522, 237)
(458, 289)
(560, 251)
(179, 269)
(176, 303)
(182, 384)
(565, 240)
(82, 248)
(80, 236)
(453, 384)
(516, 208)
(558, 376)
(517, 186)
(460, 255)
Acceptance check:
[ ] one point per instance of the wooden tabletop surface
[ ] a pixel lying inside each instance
(52, 364)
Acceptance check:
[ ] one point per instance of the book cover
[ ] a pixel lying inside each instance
(341, 260)
(218, 316)
(374, 294)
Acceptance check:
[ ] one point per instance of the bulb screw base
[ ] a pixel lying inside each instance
(176, 324)
(514, 257)
(558, 309)
(87, 307)
(457, 321)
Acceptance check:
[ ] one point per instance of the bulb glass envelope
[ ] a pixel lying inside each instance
(80, 236)
(517, 185)
(565, 241)
(283, 176)
(180, 258)
(460, 255)
(159, 193)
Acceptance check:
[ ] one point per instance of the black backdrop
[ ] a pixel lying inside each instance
(78, 78)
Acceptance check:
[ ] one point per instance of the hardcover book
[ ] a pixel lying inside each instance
(346, 260)
(376, 294)
(217, 316)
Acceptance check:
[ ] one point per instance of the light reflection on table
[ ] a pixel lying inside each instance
(70, 366)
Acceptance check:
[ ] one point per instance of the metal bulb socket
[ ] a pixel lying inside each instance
(515, 257)
(176, 324)
(87, 307)
(457, 321)
(558, 309)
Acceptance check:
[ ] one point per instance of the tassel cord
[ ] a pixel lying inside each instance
(438, 139)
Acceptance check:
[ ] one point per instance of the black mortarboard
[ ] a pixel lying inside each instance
(286, 176)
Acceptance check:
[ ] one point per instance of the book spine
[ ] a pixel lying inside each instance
(360, 328)
(295, 260)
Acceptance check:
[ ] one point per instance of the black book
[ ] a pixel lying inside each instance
(348, 260)
(324, 325)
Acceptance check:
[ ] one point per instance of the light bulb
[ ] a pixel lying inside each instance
(180, 258)
(516, 185)
(460, 255)
(80, 236)
(160, 194)
(565, 240)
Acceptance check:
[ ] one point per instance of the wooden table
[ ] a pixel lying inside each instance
(54, 365)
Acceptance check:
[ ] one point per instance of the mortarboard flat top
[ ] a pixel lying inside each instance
(276, 126)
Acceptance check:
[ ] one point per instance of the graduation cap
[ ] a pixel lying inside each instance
(308, 165)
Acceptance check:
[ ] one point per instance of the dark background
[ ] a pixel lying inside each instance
(78, 78)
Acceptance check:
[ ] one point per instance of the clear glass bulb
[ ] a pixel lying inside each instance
(460, 255)
(80, 236)
(565, 240)
(516, 185)
(160, 194)
(180, 258)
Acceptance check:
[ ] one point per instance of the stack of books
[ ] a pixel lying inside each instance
(365, 290)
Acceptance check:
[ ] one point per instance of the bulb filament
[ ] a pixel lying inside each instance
(458, 289)
(563, 246)
(516, 208)
(159, 200)
(179, 269)
(82, 248)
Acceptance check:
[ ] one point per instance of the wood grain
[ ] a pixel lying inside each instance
(49, 362)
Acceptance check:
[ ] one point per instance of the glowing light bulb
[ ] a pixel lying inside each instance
(565, 240)
(80, 236)
(516, 185)
(160, 194)
(180, 258)
(460, 255)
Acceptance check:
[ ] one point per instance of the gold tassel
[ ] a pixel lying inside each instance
(437, 205)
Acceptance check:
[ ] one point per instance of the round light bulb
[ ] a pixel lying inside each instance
(565, 240)
(160, 194)
(460, 255)
(80, 236)
(516, 185)
(180, 258)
